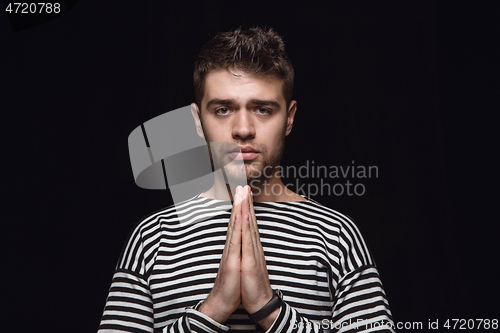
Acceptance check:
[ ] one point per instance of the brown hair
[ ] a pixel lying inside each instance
(254, 50)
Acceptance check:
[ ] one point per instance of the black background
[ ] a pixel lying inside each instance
(408, 86)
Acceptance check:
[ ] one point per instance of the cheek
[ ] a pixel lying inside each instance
(275, 133)
(209, 128)
(272, 141)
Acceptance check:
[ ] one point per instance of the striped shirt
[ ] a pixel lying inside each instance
(316, 256)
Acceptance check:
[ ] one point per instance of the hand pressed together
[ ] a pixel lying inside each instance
(242, 276)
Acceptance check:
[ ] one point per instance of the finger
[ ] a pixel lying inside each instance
(245, 209)
(254, 228)
(250, 206)
(236, 210)
(245, 201)
(247, 243)
(235, 241)
(238, 197)
(230, 226)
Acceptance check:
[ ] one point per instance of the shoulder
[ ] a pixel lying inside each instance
(312, 218)
(171, 216)
(353, 247)
(342, 220)
(349, 241)
(316, 213)
(144, 240)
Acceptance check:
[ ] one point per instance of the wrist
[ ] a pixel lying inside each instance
(268, 321)
(268, 313)
(215, 310)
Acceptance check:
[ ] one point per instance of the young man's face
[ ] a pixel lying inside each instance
(248, 110)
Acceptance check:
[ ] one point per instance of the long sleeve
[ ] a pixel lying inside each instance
(360, 306)
(129, 306)
(129, 309)
(355, 302)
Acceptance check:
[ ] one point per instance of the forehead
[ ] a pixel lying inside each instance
(242, 86)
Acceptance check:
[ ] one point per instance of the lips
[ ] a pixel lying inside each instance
(248, 153)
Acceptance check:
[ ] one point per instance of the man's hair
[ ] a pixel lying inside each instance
(254, 51)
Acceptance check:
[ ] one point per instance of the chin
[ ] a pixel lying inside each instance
(253, 173)
(236, 174)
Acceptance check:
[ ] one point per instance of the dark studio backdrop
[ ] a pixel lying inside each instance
(410, 87)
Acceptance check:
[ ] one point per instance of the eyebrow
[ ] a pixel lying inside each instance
(232, 101)
(261, 102)
(220, 102)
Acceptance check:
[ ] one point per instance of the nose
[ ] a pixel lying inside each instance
(243, 126)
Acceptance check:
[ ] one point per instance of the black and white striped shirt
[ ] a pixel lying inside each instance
(315, 256)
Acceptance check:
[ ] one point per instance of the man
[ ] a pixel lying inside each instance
(272, 260)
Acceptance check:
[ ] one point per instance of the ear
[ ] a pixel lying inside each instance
(290, 116)
(195, 111)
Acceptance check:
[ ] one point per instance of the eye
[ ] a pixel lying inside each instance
(263, 111)
(222, 111)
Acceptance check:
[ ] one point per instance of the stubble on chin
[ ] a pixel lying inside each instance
(259, 172)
